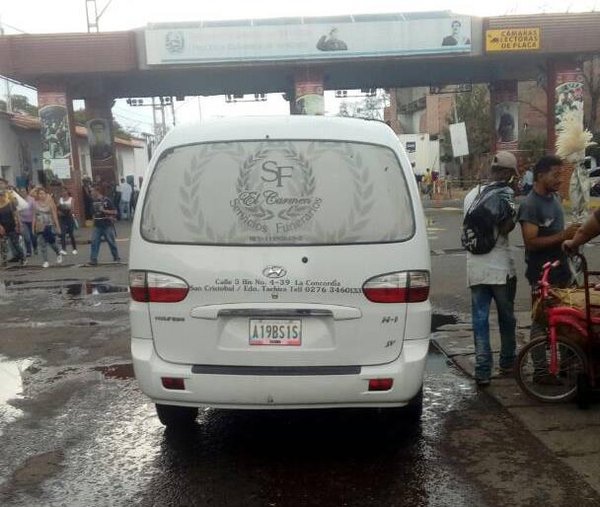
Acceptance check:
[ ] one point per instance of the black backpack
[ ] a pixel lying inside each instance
(480, 225)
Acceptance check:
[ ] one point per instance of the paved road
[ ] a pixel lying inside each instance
(76, 431)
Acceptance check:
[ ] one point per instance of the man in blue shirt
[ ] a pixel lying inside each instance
(104, 216)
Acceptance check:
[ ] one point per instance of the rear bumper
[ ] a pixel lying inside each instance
(250, 391)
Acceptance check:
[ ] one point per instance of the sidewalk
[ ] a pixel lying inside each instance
(82, 238)
(571, 433)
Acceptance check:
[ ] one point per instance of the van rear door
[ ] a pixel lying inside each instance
(293, 253)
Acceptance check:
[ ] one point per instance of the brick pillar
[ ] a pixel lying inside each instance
(308, 93)
(60, 157)
(504, 98)
(101, 142)
(565, 92)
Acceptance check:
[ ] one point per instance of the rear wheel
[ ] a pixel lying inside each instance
(408, 415)
(584, 391)
(533, 370)
(176, 417)
(414, 410)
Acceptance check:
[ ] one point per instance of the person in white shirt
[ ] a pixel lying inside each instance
(125, 203)
(493, 276)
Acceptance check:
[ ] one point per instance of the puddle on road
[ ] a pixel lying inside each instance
(11, 387)
(69, 288)
(117, 371)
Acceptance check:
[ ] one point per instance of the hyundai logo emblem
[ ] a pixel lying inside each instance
(274, 271)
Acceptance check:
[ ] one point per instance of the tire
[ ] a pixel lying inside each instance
(533, 376)
(176, 417)
(408, 415)
(584, 392)
(414, 410)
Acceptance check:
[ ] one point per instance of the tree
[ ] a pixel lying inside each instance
(473, 108)
(20, 104)
(370, 107)
(591, 75)
(80, 117)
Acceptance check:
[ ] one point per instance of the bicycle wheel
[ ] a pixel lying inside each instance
(533, 370)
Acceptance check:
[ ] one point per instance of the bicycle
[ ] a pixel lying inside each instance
(563, 364)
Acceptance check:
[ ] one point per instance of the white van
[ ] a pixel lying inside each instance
(280, 263)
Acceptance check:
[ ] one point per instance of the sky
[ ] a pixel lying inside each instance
(45, 16)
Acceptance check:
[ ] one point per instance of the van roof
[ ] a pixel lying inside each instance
(253, 128)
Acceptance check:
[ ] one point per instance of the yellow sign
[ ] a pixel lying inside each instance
(512, 39)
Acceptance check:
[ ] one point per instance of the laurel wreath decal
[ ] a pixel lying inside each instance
(363, 198)
(189, 193)
(308, 183)
(244, 183)
(304, 186)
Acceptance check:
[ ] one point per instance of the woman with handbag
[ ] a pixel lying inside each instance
(46, 224)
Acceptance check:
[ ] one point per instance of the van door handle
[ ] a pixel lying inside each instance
(282, 310)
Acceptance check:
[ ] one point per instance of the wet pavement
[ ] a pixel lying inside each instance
(76, 430)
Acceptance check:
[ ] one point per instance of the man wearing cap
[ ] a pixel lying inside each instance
(492, 275)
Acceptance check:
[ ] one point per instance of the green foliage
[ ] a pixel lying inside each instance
(474, 109)
(20, 104)
(534, 144)
(81, 118)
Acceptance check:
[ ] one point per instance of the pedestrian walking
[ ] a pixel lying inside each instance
(10, 225)
(427, 182)
(46, 225)
(26, 216)
(104, 228)
(126, 193)
(67, 220)
(543, 228)
(491, 273)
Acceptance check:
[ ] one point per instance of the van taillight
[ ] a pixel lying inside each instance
(150, 287)
(401, 287)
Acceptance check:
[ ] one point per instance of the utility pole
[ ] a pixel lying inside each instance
(92, 16)
(160, 127)
(7, 83)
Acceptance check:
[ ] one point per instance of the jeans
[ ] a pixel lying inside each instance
(45, 238)
(67, 226)
(11, 238)
(481, 297)
(108, 233)
(29, 237)
(125, 210)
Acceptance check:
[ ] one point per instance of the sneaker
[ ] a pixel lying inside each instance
(74, 252)
(59, 259)
(23, 261)
(46, 264)
(118, 259)
(62, 252)
(505, 372)
(92, 263)
(482, 382)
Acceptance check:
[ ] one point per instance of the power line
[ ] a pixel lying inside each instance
(115, 113)
(3, 24)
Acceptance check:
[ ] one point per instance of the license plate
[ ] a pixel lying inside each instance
(275, 332)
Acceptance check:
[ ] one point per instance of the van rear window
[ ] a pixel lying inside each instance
(278, 193)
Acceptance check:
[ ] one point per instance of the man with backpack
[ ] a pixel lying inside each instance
(490, 215)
